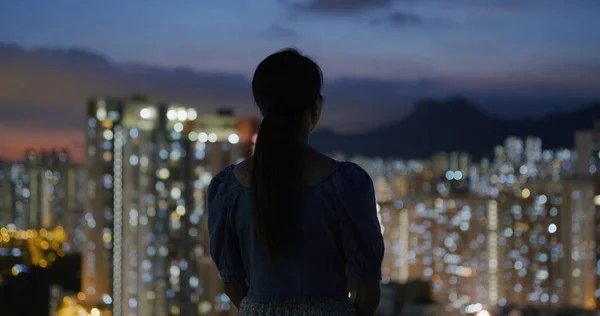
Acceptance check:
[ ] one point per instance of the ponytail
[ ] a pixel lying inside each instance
(275, 175)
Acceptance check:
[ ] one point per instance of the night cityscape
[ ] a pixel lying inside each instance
(485, 159)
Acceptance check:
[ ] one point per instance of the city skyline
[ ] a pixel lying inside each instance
(514, 230)
(514, 58)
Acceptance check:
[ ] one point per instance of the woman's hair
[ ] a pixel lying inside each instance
(286, 86)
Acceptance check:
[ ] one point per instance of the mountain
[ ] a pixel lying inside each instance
(455, 124)
(43, 92)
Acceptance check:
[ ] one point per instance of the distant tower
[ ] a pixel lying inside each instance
(595, 159)
(38, 192)
(6, 207)
(533, 155)
(585, 149)
(33, 178)
(499, 155)
(514, 150)
(440, 164)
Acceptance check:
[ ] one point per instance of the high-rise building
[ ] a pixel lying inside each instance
(22, 199)
(499, 154)
(215, 141)
(546, 237)
(6, 190)
(594, 160)
(514, 150)
(459, 161)
(584, 147)
(440, 164)
(148, 167)
(446, 240)
(40, 192)
(533, 154)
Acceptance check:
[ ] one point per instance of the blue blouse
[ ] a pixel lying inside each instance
(337, 234)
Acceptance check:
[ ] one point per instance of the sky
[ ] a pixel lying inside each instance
(513, 58)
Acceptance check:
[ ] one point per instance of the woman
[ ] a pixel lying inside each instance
(289, 224)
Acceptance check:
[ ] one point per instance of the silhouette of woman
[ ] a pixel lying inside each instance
(289, 226)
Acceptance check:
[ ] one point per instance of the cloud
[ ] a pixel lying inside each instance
(397, 18)
(377, 12)
(337, 6)
(353, 6)
(406, 19)
(63, 78)
(279, 31)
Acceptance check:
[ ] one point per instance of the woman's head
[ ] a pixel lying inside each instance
(287, 90)
(287, 86)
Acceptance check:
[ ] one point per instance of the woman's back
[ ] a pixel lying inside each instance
(333, 224)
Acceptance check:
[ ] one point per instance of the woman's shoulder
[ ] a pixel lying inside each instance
(352, 173)
(223, 181)
(348, 178)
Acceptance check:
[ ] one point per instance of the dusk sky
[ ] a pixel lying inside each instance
(513, 58)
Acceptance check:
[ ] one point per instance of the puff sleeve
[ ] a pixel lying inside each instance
(224, 244)
(362, 240)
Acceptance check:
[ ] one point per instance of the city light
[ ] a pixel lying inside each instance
(191, 114)
(172, 114)
(40, 248)
(483, 313)
(182, 114)
(233, 138)
(145, 113)
(203, 137)
(212, 137)
(597, 200)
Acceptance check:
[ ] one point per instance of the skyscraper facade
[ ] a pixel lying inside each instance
(41, 191)
(148, 167)
(591, 140)
(6, 194)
